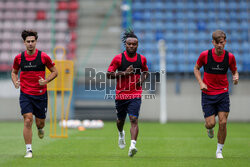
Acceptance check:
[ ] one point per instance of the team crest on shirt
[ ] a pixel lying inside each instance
(218, 68)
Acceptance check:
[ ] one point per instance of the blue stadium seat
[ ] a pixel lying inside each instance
(169, 15)
(200, 5)
(159, 25)
(150, 36)
(211, 15)
(158, 15)
(212, 25)
(222, 5)
(192, 46)
(138, 6)
(147, 6)
(191, 26)
(171, 68)
(138, 26)
(232, 5)
(147, 15)
(243, 15)
(192, 58)
(190, 5)
(181, 36)
(244, 25)
(233, 15)
(180, 16)
(180, 26)
(170, 5)
(170, 25)
(180, 5)
(201, 15)
(170, 58)
(137, 15)
(190, 15)
(170, 46)
(158, 5)
(243, 5)
(210, 6)
(223, 15)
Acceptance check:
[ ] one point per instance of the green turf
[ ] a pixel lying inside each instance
(173, 144)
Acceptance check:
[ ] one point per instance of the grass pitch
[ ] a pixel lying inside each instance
(173, 144)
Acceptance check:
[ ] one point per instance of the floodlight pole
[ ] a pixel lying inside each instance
(163, 82)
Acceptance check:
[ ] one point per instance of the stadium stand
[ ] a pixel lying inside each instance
(187, 27)
(31, 14)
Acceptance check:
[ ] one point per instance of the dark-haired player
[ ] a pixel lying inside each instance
(33, 93)
(130, 69)
(214, 86)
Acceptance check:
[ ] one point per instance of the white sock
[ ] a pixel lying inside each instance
(133, 143)
(28, 147)
(121, 133)
(219, 147)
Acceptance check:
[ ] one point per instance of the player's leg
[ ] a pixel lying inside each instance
(121, 133)
(209, 124)
(222, 133)
(134, 130)
(223, 108)
(40, 110)
(133, 111)
(121, 107)
(209, 112)
(27, 113)
(40, 123)
(27, 133)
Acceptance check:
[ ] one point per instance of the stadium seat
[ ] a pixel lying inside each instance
(62, 5)
(2, 5)
(170, 5)
(169, 15)
(20, 5)
(158, 5)
(31, 5)
(41, 15)
(180, 16)
(43, 5)
(137, 15)
(147, 16)
(159, 25)
(190, 15)
(10, 5)
(73, 5)
(20, 15)
(137, 6)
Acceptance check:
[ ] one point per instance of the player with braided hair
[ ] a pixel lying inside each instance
(130, 70)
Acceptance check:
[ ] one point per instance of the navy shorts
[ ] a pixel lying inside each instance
(130, 107)
(37, 105)
(212, 104)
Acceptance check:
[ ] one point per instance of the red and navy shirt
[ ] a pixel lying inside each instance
(216, 83)
(126, 87)
(29, 79)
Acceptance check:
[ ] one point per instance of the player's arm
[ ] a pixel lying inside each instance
(197, 75)
(235, 77)
(113, 75)
(14, 77)
(52, 76)
(233, 68)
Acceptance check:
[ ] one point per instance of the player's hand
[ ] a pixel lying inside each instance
(17, 84)
(203, 86)
(42, 81)
(235, 79)
(129, 70)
